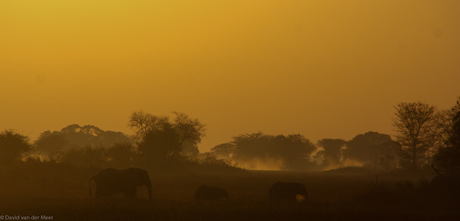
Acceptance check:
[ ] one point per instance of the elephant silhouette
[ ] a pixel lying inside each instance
(210, 193)
(112, 181)
(287, 192)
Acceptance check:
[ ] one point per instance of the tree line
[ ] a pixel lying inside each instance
(424, 136)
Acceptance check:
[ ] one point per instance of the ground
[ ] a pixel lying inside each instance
(331, 197)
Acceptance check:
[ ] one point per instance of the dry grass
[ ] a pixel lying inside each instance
(331, 197)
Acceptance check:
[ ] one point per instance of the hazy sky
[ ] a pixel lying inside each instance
(321, 68)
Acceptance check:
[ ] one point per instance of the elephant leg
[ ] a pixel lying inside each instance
(102, 190)
(131, 192)
(98, 193)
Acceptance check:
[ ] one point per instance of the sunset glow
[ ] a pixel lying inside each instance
(323, 69)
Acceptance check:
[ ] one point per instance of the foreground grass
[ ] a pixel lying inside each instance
(331, 197)
(86, 209)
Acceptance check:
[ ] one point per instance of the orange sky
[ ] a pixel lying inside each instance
(321, 68)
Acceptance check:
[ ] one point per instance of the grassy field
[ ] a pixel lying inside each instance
(332, 196)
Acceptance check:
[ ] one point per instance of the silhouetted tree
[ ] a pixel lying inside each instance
(76, 136)
(250, 146)
(90, 135)
(443, 122)
(51, 142)
(448, 156)
(224, 151)
(12, 147)
(188, 132)
(369, 147)
(455, 137)
(295, 150)
(414, 124)
(290, 152)
(159, 145)
(333, 151)
(81, 137)
(110, 138)
(142, 123)
(388, 157)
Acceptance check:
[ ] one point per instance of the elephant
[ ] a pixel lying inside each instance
(210, 193)
(287, 192)
(112, 181)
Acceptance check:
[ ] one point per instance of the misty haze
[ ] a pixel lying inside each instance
(229, 110)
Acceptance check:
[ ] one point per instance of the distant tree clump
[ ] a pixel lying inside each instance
(257, 150)
(13, 146)
(76, 136)
(332, 152)
(120, 155)
(86, 146)
(414, 123)
(223, 151)
(372, 149)
(51, 143)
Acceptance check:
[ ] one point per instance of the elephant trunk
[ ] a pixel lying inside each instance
(150, 193)
(148, 184)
